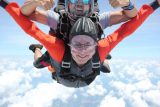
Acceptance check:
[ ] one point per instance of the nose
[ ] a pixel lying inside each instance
(82, 48)
(80, 4)
(83, 52)
(79, 7)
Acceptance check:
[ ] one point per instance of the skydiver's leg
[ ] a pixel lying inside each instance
(36, 49)
(109, 56)
(105, 68)
(43, 61)
(40, 60)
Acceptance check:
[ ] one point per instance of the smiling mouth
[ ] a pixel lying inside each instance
(79, 12)
(82, 56)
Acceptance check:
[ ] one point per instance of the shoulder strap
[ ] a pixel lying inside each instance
(63, 27)
(96, 63)
(66, 63)
(94, 17)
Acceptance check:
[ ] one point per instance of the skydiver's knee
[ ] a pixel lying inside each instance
(38, 65)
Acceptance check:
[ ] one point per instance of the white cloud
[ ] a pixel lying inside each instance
(44, 95)
(137, 71)
(129, 88)
(16, 87)
(144, 85)
(133, 81)
(138, 101)
(153, 97)
(110, 101)
(10, 80)
(158, 84)
(122, 88)
(96, 90)
(128, 85)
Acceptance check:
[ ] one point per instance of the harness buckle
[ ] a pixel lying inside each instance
(66, 64)
(96, 65)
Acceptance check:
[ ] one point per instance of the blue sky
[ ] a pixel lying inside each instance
(144, 43)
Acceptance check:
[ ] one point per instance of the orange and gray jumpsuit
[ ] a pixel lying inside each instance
(56, 46)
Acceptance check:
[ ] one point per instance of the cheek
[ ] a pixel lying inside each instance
(91, 53)
(87, 7)
(71, 7)
(73, 53)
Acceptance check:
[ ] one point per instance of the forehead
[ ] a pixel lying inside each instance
(82, 39)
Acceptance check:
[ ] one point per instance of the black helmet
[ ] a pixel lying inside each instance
(84, 26)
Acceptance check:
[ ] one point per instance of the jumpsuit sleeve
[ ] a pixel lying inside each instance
(54, 45)
(126, 29)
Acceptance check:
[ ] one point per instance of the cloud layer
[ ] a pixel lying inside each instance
(130, 84)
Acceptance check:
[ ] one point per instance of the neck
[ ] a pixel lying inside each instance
(80, 65)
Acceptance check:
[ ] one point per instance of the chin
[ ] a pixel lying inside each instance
(82, 62)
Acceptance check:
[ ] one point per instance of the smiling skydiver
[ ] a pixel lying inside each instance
(83, 32)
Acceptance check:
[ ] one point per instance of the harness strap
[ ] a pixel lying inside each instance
(88, 79)
(63, 27)
(66, 63)
(94, 17)
(96, 63)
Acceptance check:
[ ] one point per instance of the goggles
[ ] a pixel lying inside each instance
(80, 47)
(86, 2)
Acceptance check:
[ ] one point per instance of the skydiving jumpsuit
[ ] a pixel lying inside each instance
(56, 46)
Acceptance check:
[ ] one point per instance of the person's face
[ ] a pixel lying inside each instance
(79, 8)
(82, 48)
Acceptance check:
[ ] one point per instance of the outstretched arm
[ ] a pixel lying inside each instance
(52, 44)
(126, 29)
(29, 8)
(129, 11)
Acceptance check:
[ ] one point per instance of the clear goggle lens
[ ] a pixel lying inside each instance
(86, 2)
(79, 48)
